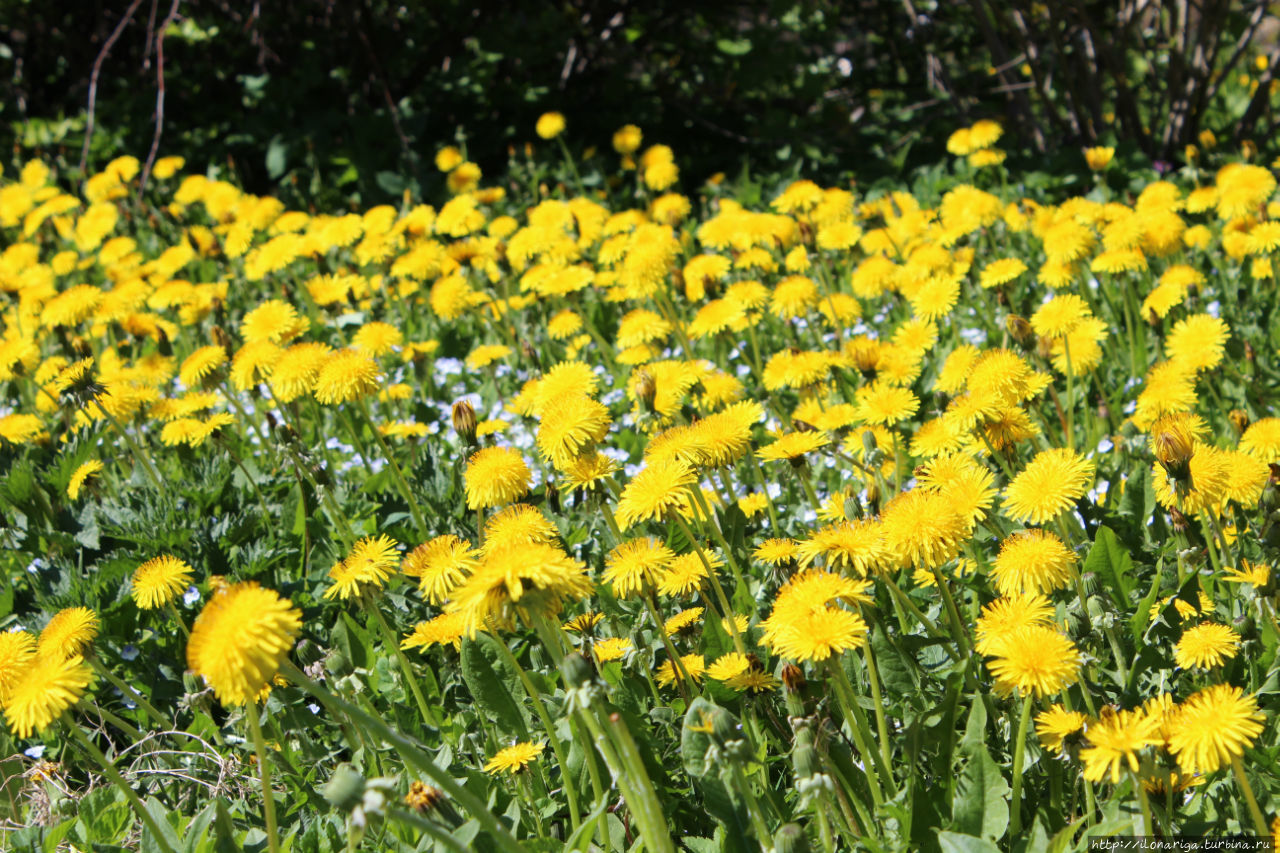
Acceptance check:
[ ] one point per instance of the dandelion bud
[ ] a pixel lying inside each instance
(464, 421)
(222, 339)
(866, 358)
(793, 677)
(646, 390)
(345, 788)
(1239, 419)
(422, 798)
(791, 839)
(1044, 347)
(553, 497)
(530, 354)
(1172, 443)
(806, 757)
(868, 441)
(1019, 328)
(1270, 498)
(576, 670)
(1179, 520)
(80, 346)
(1248, 149)
(724, 726)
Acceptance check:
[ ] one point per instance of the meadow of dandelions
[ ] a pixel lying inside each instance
(584, 509)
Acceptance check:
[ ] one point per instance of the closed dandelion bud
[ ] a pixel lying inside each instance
(1019, 328)
(222, 339)
(530, 354)
(868, 441)
(806, 232)
(1270, 497)
(1179, 520)
(1239, 419)
(791, 839)
(866, 357)
(422, 798)
(1153, 319)
(1044, 347)
(1249, 354)
(646, 390)
(464, 421)
(1173, 448)
(725, 727)
(806, 757)
(793, 678)
(320, 474)
(345, 788)
(576, 670)
(553, 497)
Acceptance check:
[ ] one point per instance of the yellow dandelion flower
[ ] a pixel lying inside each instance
(514, 758)
(50, 686)
(159, 581)
(68, 633)
(1048, 486)
(496, 476)
(1205, 646)
(240, 638)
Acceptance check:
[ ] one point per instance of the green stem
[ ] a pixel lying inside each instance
(1259, 822)
(423, 825)
(929, 625)
(177, 617)
(882, 728)
(717, 534)
(758, 822)
(1144, 803)
(418, 520)
(388, 636)
(540, 707)
(1019, 753)
(848, 702)
(684, 681)
(264, 769)
(726, 609)
(94, 708)
(413, 753)
(133, 695)
(137, 451)
(111, 773)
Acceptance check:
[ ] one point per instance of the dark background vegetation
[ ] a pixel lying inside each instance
(345, 101)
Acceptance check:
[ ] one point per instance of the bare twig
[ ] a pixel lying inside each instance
(93, 78)
(155, 140)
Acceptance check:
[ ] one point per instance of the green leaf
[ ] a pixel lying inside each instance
(1138, 621)
(277, 154)
(693, 742)
(224, 829)
(980, 807)
(160, 815)
(955, 842)
(734, 47)
(975, 731)
(1108, 559)
(493, 691)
